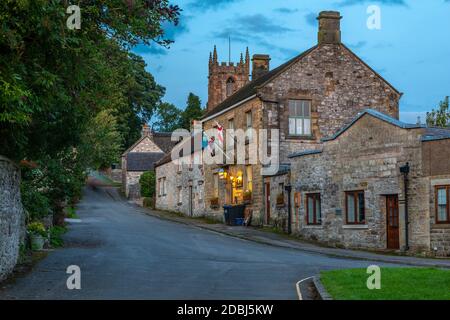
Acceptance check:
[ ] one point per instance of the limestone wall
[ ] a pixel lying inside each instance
(190, 180)
(366, 157)
(12, 216)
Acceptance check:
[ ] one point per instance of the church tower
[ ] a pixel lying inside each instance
(224, 79)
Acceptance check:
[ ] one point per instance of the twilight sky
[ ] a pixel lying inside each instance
(411, 50)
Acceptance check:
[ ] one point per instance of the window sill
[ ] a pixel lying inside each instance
(313, 226)
(293, 137)
(441, 225)
(355, 226)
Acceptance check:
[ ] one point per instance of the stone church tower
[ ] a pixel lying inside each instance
(225, 79)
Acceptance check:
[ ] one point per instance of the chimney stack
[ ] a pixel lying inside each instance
(146, 131)
(261, 65)
(329, 27)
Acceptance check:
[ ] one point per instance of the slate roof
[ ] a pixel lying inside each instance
(304, 153)
(377, 115)
(252, 87)
(161, 139)
(168, 156)
(142, 161)
(282, 169)
(435, 133)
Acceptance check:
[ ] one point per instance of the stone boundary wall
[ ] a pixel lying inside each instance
(12, 217)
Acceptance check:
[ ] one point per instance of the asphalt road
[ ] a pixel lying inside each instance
(125, 254)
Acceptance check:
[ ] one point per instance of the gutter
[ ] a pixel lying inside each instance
(228, 109)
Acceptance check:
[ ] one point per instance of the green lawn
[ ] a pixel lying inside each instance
(396, 284)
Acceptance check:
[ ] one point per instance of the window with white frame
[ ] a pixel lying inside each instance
(299, 117)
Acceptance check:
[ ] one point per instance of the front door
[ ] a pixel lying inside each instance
(267, 202)
(393, 234)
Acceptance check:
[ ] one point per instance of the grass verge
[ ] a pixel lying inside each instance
(396, 284)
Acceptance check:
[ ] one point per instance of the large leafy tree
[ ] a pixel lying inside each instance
(56, 84)
(441, 116)
(168, 118)
(193, 111)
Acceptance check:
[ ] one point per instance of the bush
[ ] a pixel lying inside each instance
(37, 228)
(148, 202)
(34, 201)
(56, 233)
(147, 183)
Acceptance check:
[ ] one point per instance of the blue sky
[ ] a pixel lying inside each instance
(411, 50)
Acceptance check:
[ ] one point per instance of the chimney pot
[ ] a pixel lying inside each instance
(329, 27)
(261, 65)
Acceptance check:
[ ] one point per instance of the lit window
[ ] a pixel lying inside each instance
(299, 117)
(216, 185)
(249, 178)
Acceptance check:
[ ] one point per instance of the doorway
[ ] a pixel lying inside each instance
(392, 222)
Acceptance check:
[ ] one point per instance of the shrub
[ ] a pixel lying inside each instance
(37, 228)
(56, 233)
(147, 183)
(148, 202)
(34, 201)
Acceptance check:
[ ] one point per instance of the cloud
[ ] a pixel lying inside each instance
(258, 23)
(204, 5)
(345, 3)
(311, 19)
(358, 45)
(287, 10)
(153, 49)
(172, 32)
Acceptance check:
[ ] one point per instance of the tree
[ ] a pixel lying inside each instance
(192, 112)
(441, 116)
(56, 84)
(168, 118)
(147, 183)
(102, 140)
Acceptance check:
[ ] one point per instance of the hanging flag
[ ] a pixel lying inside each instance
(211, 146)
(219, 133)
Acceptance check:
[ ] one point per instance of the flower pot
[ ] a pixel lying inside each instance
(37, 242)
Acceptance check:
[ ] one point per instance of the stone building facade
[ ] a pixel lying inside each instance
(141, 157)
(180, 182)
(307, 98)
(12, 216)
(351, 192)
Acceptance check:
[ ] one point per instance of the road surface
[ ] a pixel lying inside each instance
(125, 254)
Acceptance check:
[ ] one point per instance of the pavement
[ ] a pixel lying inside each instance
(125, 253)
(291, 242)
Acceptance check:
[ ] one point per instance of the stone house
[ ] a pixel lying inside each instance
(180, 181)
(351, 192)
(141, 157)
(307, 98)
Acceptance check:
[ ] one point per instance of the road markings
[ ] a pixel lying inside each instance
(297, 285)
